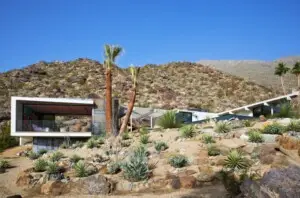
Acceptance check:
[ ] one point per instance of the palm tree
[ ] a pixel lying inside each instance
(281, 70)
(296, 71)
(111, 52)
(134, 74)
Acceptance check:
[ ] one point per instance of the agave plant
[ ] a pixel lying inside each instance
(168, 120)
(56, 156)
(113, 167)
(178, 161)
(52, 168)
(160, 146)
(235, 160)
(4, 164)
(208, 139)
(223, 127)
(40, 165)
(213, 150)
(188, 131)
(144, 139)
(81, 170)
(255, 136)
(136, 168)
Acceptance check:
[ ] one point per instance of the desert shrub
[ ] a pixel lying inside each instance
(33, 155)
(160, 146)
(52, 168)
(75, 158)
(143, 131)
(223, 127)
(42, 151)
(114, 167)
(286, 111)
(81, 169)
(208, 139)
(274, 128)
(294, 125)
(4, 164)
(77, 144)
(56, 156)
(168, 120)
(178, 161)
(247, 123)
(125, 143)
(125, 136)
(40, 165)
(235, 160)
(64, 145)
(144, 139)
(91, 143)
(6, 140)
(213, 150)
(187, 131)
(255, 136)
(99, 140)
(136, 167)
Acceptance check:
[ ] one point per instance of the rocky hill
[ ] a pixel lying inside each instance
(177, 84)
(261, 72)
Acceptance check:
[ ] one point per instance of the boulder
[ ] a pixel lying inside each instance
(284, 121)
(187, 181)
(283, 183)
(96, 184)
(76, 127)
(262, 118)
(53, 188)
(24, 178)
(206, 174)
(249, 148)
(233, 143)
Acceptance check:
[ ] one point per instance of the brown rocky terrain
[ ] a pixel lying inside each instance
(176, 84)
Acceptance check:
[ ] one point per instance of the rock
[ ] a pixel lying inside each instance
(262, 118)
(232, 143)
(284, 121)
(174, 183)
(249, 148)
(76, 127)
(24, 178)
(283, 183)
(218, 160)
(53, 188)
(288, 142)
(124, 186)
(186, 173)
(201, 158)
(187, 181)
(97, 184)
(206, 174)
(2, 170)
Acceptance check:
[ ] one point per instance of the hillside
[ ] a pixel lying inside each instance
(177, 84)
(261, 72)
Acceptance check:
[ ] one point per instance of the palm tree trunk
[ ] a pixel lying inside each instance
(129, 111)
(281, 79)
(108, 102)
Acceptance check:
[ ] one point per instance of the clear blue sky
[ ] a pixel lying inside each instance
(151, 31)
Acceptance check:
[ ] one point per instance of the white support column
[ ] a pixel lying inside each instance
(151, 122)
(131, 123)
(272, 111)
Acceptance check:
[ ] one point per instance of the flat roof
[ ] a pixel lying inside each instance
(288, 96)
(55, 100)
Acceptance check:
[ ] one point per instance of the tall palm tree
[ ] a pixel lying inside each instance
(134, 74)
(296, 71)
(281, 70)
(111, 52)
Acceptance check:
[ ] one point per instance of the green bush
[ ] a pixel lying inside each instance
(52, 168)
(6, 140)
(77, 144)
(91, 143)
(178, 161)
(42, 151)
(188, 131)
(247, 123)
(144, 139)
(33, 155)
(4, 164)
(274, 128)
(235, 160)
(125, 136)
(114, 167)
(64, 145)
(75, 158)
(213, 150)
(286, 111)
(160, 146)
(294, 125)
(143, 131)
(40, 165)
(136, 167)
(208, 139)
(81, 170)
(56, 156)
(168, 120)
(223, 127)
(255, 136)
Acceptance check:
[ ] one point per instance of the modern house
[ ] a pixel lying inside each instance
(265, 107)
(50, 121)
